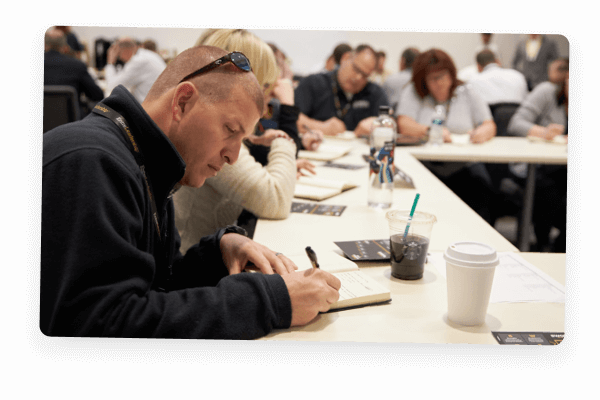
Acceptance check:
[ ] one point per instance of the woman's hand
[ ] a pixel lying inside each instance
(267, 138)
(302, 164)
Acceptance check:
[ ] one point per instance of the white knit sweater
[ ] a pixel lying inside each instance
(266, 191)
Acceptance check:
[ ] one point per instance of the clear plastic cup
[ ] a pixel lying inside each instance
(408, 253)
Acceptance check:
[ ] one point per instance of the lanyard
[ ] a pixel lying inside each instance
(336, 99)
(121, 122)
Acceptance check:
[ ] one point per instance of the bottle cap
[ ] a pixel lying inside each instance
(384, 110)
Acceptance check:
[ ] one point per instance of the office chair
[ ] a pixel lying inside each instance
(502, 113)
(61, 106)
(508, 185)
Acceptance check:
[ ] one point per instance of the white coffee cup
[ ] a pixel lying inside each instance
(470, 268)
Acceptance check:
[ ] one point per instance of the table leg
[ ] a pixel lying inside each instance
(527, 211)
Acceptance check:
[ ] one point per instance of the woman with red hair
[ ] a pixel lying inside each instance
(434, 83)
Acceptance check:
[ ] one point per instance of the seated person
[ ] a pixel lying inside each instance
(141, 68)
(342, 99)
(544, 114)
(265, 191)
(505, 88)
(495, 84)
(61, 69)
(396, 82)
(434, 82)
(110, 260)
(558, 70)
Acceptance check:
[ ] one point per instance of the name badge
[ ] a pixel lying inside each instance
(361, 104)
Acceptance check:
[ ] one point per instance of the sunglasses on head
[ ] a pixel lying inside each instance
(236, 58)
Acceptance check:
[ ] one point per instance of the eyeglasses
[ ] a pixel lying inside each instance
(236, 58)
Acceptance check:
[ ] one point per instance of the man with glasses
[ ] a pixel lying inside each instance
(110, 260)
(342, 99)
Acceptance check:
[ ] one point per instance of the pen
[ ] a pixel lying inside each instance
(312, 256)
(315, 143)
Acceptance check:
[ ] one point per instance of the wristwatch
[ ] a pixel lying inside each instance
(231, 229)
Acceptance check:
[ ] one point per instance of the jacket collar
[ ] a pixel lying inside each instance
(163, 163)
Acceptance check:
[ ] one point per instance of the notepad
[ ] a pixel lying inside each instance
(313, 188)
(347, 135)
(559, 139)
(358, 289)
(325, 152)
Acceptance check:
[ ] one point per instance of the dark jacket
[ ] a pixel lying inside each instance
(102, 263)
(60, 69)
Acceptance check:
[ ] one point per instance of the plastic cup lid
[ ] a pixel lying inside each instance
(471, 254)
(403, 215)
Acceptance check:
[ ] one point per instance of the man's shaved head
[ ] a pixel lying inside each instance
(213, 86)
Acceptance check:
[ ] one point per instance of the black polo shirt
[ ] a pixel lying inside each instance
(314, 98)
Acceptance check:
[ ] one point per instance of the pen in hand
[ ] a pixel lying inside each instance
(312, 256)
(317, 138)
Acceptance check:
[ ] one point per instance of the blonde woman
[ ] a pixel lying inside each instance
(266, 191)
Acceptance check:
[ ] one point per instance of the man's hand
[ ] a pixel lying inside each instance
(311, 291)
(364, 127)
(240, 252)
(333, 126)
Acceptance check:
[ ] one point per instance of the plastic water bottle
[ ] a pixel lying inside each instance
(436, 133)
(381, 170)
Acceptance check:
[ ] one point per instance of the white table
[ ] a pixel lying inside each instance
(456, 220)
(501, 150)
(418, 312)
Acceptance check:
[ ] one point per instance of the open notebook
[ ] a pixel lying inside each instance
(325, 152)
(313, 188)
(358, 289)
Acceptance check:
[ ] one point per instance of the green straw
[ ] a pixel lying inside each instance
(412, 212)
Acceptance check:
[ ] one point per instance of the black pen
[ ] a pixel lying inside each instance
(313, 257)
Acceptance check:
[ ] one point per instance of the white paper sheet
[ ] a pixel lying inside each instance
(515, 280)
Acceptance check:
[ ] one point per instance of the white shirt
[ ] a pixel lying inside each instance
(532, 48)
(500, 85)
(138, 74)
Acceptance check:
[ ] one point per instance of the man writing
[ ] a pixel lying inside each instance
(342, 99)
(110, 260)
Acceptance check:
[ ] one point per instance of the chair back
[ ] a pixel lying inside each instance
(61, 106)
(502, 113)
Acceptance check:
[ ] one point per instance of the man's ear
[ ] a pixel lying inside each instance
(182, 100)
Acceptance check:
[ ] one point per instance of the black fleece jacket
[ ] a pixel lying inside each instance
(103, 266)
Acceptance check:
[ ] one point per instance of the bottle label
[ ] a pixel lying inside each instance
(382, 163)
(380, 135)
(437, 121)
